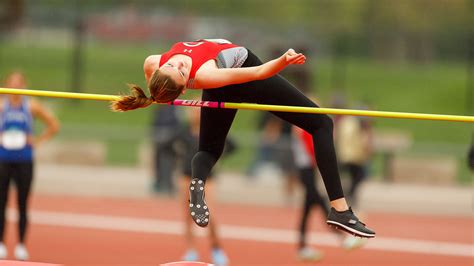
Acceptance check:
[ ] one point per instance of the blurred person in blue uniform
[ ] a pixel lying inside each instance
(17, 143)
(306, 162)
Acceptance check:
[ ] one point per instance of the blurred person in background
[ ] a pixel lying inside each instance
(470, 155)
(276, 138)
(274, 147)
(231, 73)
(354, 144)
(17, 143)
(264, 152)
(302, 145)
(219, 257)
(305, 160)
(355, 147)
(167, 132)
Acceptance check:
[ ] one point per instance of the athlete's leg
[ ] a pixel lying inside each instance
(23, 178)
(312, 199)
(305, 252)
(304, 175)
(188, 232)
(358, 174)
(219, 257)
(4, 187)
(277, 91)
(214, 126)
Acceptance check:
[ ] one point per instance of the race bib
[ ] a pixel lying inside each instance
(14, 139)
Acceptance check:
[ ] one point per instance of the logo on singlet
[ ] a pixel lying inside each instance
(188, 51)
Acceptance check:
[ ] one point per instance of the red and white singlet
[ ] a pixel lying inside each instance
(203, 50)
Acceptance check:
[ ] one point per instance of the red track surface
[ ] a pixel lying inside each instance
(74, 245)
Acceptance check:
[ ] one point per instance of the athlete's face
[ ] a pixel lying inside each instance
(16, 80)
(177, 69)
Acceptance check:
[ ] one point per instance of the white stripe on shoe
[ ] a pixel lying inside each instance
(359, 233)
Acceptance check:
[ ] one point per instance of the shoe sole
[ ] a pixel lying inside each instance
(349, 230)
(197, 205)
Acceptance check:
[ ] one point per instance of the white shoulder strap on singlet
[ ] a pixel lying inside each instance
(219, 41)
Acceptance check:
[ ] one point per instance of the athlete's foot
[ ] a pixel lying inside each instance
(21, 253)
(347, 221)
(219, 258)
(190, 255)
(352, 242)
(309, 254)
(3, 251)
(197, 204)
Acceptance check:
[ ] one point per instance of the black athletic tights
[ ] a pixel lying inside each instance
(22, 175)
(215, 124)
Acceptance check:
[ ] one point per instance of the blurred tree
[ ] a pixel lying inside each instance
(470, 77)
(470, 64)
(13, 11)
(406, 29)
(416, 30)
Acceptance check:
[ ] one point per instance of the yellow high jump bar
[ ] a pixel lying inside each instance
(249, 106)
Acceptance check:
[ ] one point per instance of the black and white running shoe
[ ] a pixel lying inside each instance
(197, 205)
(347, 221)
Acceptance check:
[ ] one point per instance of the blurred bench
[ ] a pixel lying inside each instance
(425, 170)
(388, 143)
(146, 155)
(72, 152)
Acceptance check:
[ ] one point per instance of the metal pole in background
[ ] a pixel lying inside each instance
(340, 47)
(77, 56)
(2, 29)
(470, 76)
(14, 12)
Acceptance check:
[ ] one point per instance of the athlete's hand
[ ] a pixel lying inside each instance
(294, 58)
(35, 141)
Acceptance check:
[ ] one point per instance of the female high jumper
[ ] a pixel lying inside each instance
(227, 72)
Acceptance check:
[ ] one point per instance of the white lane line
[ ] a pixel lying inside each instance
(158, 226)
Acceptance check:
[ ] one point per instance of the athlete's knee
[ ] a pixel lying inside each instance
(215, 149)
(322, 122)
(327, 122)
(202, 164)
(205, 158)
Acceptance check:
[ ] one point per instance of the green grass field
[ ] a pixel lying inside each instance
(431, 88)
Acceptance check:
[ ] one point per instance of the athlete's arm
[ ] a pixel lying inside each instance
(210, 77)
(52, 124)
